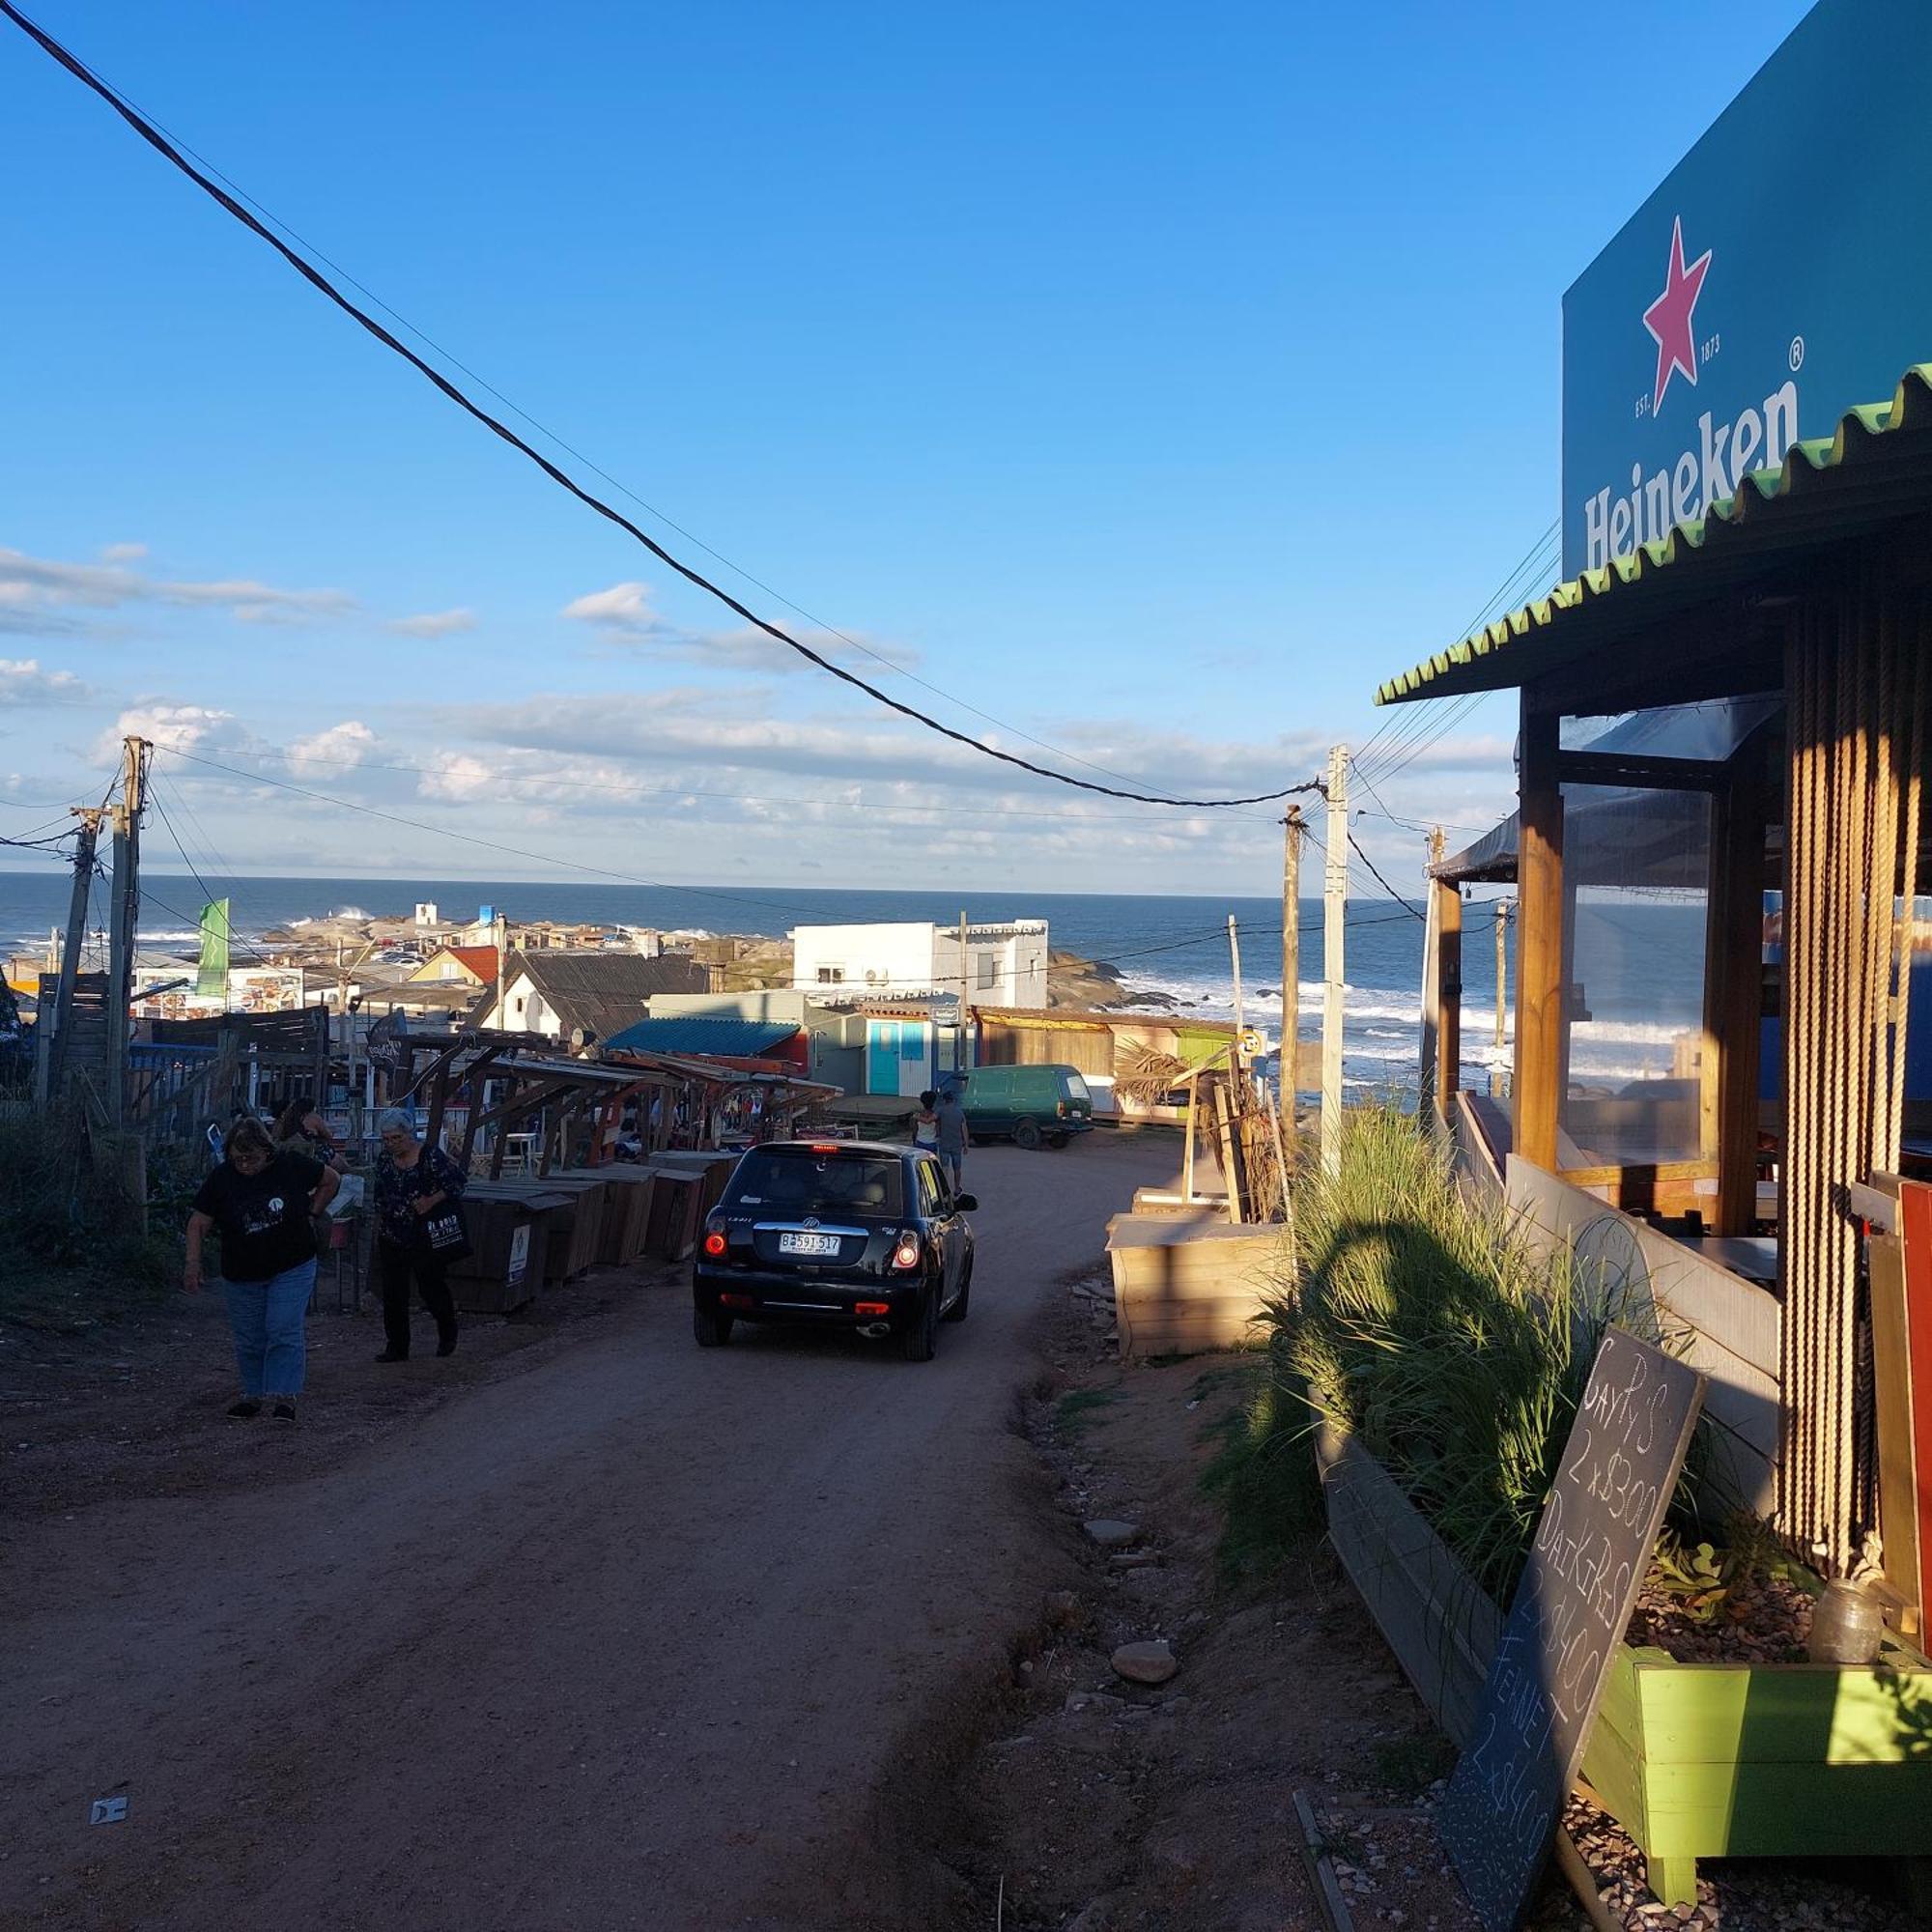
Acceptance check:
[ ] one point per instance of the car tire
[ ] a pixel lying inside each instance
(711, 1326)
(1026, 1134)
(920, 1337)
(957, 1312)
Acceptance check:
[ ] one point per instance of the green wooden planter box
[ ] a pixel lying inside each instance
(1694, 1760)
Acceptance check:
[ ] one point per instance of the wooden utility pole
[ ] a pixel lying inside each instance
(1290, 954)
(124, 926)
(1432, 986)
(965, 991)
(54, 1060)
(1335, 906)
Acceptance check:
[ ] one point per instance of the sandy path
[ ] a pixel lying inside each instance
(622, 1641)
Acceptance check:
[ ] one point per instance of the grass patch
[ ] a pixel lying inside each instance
(1079, 1408)
(1261, 1475)
(1423, 1324)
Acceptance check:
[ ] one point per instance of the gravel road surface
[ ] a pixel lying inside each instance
(626, 1640)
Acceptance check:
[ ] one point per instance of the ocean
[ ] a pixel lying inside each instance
(1173, 944)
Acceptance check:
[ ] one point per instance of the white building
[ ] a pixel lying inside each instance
(1004, 963)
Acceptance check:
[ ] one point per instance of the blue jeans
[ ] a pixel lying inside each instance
(955, 1162)
(267, 1317)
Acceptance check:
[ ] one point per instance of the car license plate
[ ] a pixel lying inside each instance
(808, 1244)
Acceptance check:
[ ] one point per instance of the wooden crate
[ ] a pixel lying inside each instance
(1694, 1760)
(677, 1207)
(1187, 1283)
(627, 1213)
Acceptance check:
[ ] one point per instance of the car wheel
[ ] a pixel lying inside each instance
(711, 1326)
(1026, 1134)
(957, 1312)
(921, 1335)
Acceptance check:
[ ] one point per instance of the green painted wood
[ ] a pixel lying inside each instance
(1789, 1714)
(1785, 1810)
(1673, 1881)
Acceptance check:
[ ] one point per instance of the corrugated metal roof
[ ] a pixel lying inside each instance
(693, 1032)
(1875, 468)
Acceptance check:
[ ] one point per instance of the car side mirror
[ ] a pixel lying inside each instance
(965, 1203)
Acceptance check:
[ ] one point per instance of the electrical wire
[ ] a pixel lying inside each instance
(162, 145)
(1383, 883)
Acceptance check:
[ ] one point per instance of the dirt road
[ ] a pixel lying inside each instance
(626, 1640)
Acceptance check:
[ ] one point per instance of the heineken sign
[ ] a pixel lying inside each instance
(1778, 278)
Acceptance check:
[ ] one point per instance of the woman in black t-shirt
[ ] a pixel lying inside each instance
(260, 1200)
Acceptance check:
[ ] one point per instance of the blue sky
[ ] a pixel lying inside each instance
(1156, 383)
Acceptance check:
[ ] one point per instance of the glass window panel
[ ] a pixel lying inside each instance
(1636, 878)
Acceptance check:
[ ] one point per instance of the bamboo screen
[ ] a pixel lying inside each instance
(1856, 688)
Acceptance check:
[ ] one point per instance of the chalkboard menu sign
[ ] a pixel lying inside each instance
(1593, 1548)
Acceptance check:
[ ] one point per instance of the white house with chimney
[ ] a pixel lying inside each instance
(1004, 963)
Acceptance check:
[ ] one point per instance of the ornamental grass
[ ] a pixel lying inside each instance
(1423, 1321)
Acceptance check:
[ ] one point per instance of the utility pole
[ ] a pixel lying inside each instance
(1335, 906)
(1238, 1059)
(124, 923)
(1290, 956)
(54, 1059)
(1502, 967)
(1432, 982)
(965, 987)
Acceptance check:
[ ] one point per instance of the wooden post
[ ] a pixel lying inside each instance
(1335, 906)
(1539, 953)
(1734, 990)
(1432, 988)
(1291, 959)
(1448, 899)
(124, 926)
(1237, 1058)
(85, 838)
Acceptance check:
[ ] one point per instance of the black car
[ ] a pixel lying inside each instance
(849, 1234)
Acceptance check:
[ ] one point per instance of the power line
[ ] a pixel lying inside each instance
(1383, 883)
(152, 135)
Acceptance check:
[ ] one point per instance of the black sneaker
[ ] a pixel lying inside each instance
(244, 1411)
(284, 1411)
(447, 1346)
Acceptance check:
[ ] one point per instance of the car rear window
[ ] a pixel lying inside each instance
(1076, 1087)
(795, 1182)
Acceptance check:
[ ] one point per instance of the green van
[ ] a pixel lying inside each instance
(1025, 1104)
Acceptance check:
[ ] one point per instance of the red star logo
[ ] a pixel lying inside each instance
(1669, 317)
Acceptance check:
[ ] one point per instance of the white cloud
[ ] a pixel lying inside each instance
(342, 745)
(23, 681)
(186, 727)
(624, 608)
(459, 776)
(123, 552)
(434, 623)
(36, 593)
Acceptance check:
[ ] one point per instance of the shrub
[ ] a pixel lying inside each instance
(1423, 1321)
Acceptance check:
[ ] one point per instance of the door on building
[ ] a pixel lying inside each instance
(882, 1057)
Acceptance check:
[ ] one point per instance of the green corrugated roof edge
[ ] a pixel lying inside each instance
(1911, 405)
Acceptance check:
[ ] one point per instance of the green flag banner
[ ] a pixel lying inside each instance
(210, 980)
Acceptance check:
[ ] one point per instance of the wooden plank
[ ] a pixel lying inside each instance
(1539, 962)
(1787, 1810)
(1782, 1713)
(1449, 1000)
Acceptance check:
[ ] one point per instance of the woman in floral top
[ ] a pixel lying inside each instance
(412, 1185)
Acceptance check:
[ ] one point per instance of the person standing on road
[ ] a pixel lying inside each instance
(953, 1138)
(261, 1201)
(925, 1124)
(416, 1190)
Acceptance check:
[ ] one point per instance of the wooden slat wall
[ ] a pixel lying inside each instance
(1731, 1327)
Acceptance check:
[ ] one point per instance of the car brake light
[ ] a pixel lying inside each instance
(906, 1254)
(715, 1242)
(1060, 1108)
(824, 1147)
(871, 1308)
(735, 1301)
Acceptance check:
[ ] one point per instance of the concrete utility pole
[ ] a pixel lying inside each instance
(1290, 954)
(1335, 906)
(965, 992)
(124, 926)
(1238, 1060)
(1502, 967)
(53, 1061)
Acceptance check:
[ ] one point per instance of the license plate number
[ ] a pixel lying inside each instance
(808, 1244)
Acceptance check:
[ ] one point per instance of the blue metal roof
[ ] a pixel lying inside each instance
(700, 1032)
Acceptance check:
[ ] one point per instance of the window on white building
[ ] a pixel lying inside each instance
(989, 972)
(832, 976)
